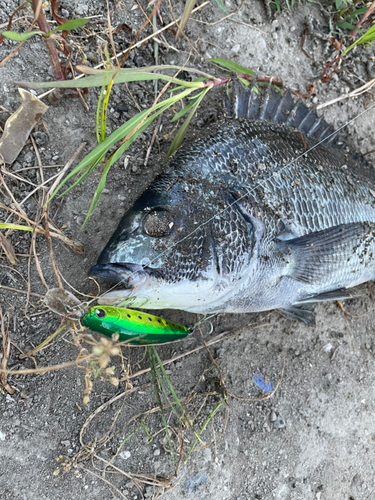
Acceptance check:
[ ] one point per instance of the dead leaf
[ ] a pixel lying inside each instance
(60, 20)
(19, 125)
(337, 45)
(310, 89)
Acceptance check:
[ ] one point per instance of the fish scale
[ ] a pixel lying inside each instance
(267, 209)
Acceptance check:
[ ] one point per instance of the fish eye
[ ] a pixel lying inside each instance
(158, 223)
(100, 313)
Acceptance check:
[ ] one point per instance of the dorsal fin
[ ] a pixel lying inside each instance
(266, 103)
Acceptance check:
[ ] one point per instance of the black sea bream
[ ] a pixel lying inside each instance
(250, 217)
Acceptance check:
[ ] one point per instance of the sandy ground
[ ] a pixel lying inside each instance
(325, 450)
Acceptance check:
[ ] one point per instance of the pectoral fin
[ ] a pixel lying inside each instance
(340, 294)
(303, 309)
(318, 256)
(303, 313)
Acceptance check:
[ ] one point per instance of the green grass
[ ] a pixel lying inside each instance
(162, 381)
(110, 149)
(69, 25)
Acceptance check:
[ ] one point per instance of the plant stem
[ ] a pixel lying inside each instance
(54, 97)
(364, 18)
(278, 82)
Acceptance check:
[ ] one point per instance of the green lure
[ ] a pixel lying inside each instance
(136, 327)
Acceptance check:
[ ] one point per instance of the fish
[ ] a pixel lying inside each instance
(268, 209)
(133, 327)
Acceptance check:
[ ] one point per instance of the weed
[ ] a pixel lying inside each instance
(21, 37)
(365, 39)
(129, 131)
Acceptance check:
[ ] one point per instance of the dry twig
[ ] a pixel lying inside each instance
(6, 351)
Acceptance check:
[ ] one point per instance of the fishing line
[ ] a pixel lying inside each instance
(248, 190)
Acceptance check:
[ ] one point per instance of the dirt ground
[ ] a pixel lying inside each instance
(314, 438)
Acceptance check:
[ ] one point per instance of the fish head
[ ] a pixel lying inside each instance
(168, 251)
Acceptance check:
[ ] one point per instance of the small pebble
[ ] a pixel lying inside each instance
(121, 108)
(139, 61)
(273, 416)
(156, 452)
(125, 454)
(29, 157)
(40, 138)
(16, 166)
(279, 423)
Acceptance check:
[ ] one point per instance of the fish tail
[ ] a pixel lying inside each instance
(264, 102)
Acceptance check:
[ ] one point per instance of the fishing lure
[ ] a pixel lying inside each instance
(136, 327)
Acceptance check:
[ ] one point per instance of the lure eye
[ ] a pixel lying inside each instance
(158, 223)
(100, 313)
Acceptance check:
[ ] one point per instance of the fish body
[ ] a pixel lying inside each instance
(134, 327)
(264, 212)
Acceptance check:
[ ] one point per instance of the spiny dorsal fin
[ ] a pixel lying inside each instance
(266, 103)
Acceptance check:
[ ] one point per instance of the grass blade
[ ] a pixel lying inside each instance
(116, 155)
(206, 422)
(175, 397)
(4, 225)
(221, 5)
(69, 25)
(185, 109)
(101, 149)
(166, 395)
(347, 26)
(189, 5)
(98, 191)
(368, 37)
(132, 433)
(167, 379)
(98, 107)
(355, 13)
(103, 121)
(44, 343)
(232, 66)
(156, 389)
(121, 76)
(83, 176)
(179, 137)
(21, 37)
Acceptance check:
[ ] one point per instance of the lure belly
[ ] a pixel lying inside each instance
(134, 327)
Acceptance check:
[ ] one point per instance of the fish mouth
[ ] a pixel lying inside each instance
(128, 276)
(124, 273)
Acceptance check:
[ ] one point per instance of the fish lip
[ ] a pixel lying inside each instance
(128, 274)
